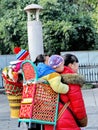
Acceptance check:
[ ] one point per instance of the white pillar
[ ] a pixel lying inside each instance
(34, 27)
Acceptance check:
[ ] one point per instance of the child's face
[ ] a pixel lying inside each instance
(60, 68)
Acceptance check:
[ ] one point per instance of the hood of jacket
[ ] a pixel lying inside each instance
(69, 77)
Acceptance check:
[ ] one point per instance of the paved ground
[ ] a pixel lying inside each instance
(91, 102)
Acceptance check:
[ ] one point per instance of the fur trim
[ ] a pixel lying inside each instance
(73, 79)
(83, 122)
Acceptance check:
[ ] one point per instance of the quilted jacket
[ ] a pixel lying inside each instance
(74, 96)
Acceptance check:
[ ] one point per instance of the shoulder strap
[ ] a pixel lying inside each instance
(63, 109)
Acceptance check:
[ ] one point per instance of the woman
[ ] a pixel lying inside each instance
(76, 109)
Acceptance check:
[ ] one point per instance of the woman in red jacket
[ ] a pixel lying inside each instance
(75, 104)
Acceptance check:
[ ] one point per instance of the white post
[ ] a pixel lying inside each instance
(34, 27)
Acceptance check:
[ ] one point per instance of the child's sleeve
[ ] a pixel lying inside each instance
(54, 80)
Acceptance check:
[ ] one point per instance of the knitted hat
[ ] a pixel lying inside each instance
(21, 54)
(55, 61)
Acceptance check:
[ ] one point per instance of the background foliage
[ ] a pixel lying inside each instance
(68, 25)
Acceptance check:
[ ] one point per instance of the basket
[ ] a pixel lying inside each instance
(14, 95)
(12, 88)
(39, 101)
(14, 103)
(45, 103)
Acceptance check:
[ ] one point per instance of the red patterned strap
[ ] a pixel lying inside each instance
(63, 109)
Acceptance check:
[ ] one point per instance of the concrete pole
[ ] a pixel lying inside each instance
(34, 27)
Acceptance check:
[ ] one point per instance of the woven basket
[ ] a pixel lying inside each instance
(39, 101)
(14, 103)
(12, 88)
(45, 103)
(14, 95)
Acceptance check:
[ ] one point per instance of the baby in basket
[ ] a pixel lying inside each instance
(48, 69)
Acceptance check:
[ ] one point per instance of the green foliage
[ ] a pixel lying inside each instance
(54, 34)
(88, 86)
(67, 25)
(13, 27)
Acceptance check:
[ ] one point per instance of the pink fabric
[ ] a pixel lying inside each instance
(17, 67)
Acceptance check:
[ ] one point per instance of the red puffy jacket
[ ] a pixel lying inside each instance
(74, 96)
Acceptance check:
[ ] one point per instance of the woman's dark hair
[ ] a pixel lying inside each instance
(40, 58)
(70, 58)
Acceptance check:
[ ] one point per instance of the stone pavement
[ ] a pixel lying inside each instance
(7, 123)
(91, 102)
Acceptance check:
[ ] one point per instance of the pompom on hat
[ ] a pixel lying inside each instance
(21, 54)
(55, 61)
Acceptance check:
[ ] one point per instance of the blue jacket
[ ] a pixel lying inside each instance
(54, 79)
(44, 70)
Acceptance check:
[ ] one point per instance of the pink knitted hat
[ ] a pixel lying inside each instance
(55, 61)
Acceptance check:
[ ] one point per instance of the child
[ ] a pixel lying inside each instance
(49, 72)
(21, 55)
(14, 71)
